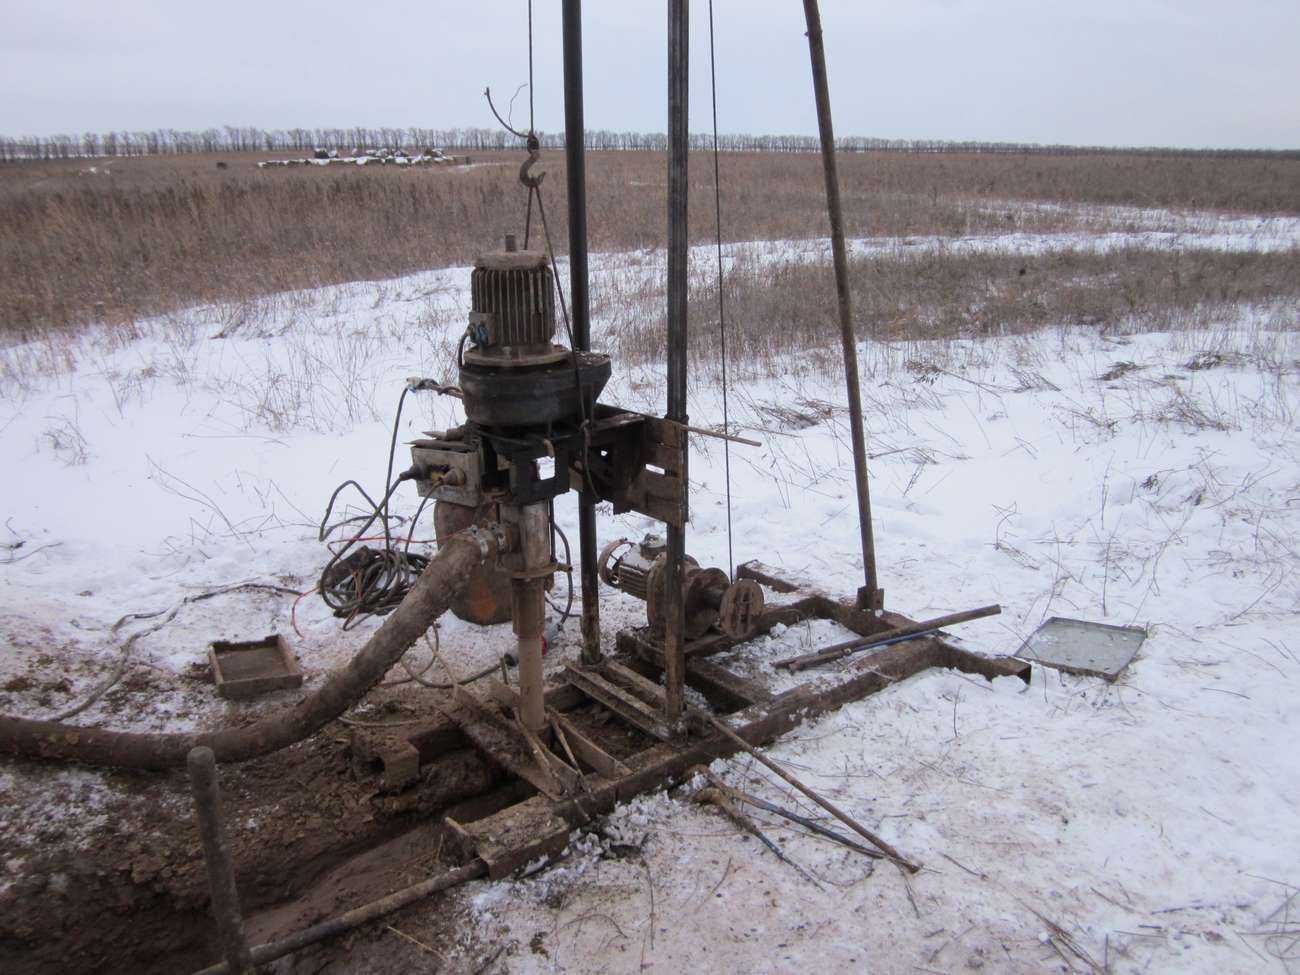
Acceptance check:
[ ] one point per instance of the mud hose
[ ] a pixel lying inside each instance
(441, 582)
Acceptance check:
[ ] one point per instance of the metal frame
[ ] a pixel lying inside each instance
(574, 776)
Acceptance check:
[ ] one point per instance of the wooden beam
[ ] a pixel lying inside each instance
(587, 750)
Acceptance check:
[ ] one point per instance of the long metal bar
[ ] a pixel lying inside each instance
(678, 241)
(830, 807)
(838, 650)
(202, 764)
(576, 177)
(342, 923)
(870, 597)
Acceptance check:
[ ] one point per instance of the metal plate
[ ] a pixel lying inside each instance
(1081, 647)
(246, 669)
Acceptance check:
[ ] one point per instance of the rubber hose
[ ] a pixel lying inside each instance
(442, 581)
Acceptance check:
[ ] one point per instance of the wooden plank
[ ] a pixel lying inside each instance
(705, 676)
(515, 836)
(503, 744)
(569, 778)
(710, 679)
(625, 705)
(636, 683)
(587, 750)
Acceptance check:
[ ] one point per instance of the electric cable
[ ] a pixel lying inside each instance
(370, 582)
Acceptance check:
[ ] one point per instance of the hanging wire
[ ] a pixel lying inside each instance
(532, 127)
(722, 316)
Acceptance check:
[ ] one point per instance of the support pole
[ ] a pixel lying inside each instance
(870, 597)
(576, 176)
(216, 854)
(678, 241)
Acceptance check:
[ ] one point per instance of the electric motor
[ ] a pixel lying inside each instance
(710, 599)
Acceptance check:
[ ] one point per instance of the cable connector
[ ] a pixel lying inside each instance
(491, 538)
(418, 384)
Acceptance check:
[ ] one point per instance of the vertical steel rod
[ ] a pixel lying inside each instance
(216, 853)
(870, 597)
(528, 606)
(576, 176)
(678, 241)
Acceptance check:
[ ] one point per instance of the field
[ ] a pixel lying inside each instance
(120, 240)
(1082, 384)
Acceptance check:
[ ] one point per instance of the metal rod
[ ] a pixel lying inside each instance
(826, 804)
(528, 606)
(272, 950)
(678, 241)
(838, 650)
(202, 764)
(730, 437)
(576, 177)
(871, 598)
(809, 824)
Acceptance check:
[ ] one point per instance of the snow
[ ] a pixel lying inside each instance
(1152, 819)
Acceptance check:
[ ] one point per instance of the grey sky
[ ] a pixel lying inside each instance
(1190, 73)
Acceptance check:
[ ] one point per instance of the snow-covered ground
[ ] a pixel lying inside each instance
(1130, 478)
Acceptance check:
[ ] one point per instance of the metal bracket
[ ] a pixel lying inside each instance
(871, 602)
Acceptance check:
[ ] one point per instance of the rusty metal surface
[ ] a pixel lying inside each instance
(246, 669)
(486, 599)
(870, 598)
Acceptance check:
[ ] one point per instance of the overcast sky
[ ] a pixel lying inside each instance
(1122, 72)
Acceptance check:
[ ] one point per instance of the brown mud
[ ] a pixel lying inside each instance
(311, 834)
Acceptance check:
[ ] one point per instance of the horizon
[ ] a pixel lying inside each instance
(554, 140)
(1117, 74)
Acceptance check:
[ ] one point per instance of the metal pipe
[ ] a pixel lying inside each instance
(331, 927)
(678, 241)
(838, 650)
(576, 177)
(871, 597)
(216, 854)
(528, 605)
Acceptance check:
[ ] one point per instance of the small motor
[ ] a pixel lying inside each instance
(710, 598)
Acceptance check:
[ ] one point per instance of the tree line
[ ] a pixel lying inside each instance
(359, 140)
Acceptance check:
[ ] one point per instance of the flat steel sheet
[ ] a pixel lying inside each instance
(1081, 647)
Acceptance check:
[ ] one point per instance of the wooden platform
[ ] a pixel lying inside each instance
(580, 768)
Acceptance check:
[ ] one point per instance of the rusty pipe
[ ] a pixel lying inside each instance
(871, 598)
(531, 561)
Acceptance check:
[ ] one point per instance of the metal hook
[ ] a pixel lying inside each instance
(534, 157)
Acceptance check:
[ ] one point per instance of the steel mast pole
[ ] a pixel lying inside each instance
(678, 234)
(870, 597)
(576, 176)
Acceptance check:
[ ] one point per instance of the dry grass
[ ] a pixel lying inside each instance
(157, 233)
(778, 309)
